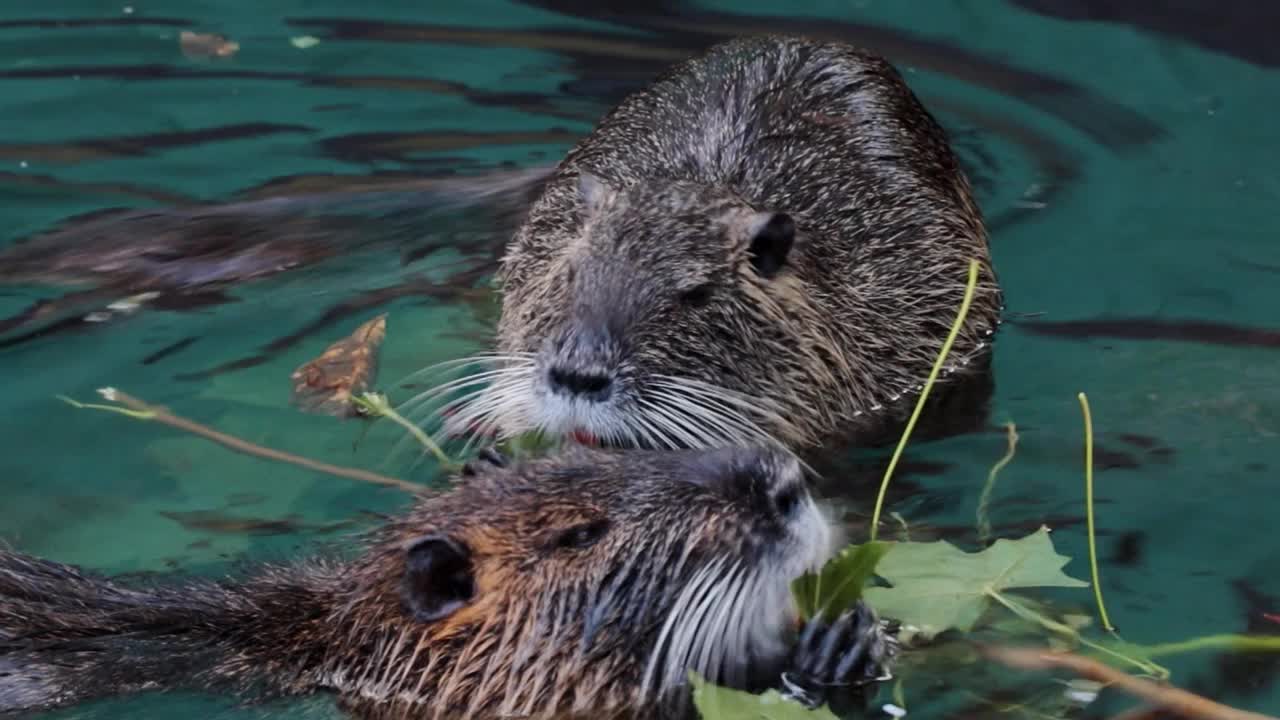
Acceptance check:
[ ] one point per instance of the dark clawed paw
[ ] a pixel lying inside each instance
(487, 456)
(855, 650)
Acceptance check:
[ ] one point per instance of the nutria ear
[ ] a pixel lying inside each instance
(772, 235)
(592, 191)
(437, 578)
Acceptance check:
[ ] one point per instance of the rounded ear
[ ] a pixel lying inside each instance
(592, 191)
(772, 235)
(437, 578)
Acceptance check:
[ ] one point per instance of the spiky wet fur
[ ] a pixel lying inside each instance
(886, 226)
(693, 573)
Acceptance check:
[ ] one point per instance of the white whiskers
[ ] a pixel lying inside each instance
(507, 397)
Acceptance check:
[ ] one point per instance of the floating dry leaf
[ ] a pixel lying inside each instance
(198, 46)
(328, 384)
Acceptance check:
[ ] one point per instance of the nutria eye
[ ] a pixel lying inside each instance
(582, 536)
(786, 501)
(697, 297)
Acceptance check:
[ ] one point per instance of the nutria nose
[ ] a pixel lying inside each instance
(589, 385)
(759, 476)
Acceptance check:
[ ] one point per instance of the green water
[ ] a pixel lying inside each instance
(1144, 191)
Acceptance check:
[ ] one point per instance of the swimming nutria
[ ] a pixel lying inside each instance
(585, 583)
(772, 239)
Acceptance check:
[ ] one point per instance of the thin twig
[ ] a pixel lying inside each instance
(924, 394)
(984, 502)
(1088, 502)
(143, 411)
(1176, 700)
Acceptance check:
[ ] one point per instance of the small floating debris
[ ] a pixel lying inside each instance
(303, 42)
(132, 303)
(199, 46)
(328, 384)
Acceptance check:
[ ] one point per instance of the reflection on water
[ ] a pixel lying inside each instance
(194, 229)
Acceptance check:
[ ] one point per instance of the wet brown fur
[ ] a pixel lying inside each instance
(552, 630)
(886, 226)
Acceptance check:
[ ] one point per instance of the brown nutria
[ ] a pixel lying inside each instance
(771, 240)
(588, 583)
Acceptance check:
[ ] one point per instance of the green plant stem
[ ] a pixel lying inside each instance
(1070, 633)
(984, 503)
(377, 404)
(1088, 501)
(924, 393)
(1241, 643)
(139, 410)
(135, 414)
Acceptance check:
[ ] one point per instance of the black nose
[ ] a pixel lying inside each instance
(589, 385)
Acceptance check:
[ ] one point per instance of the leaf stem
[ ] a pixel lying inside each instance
(1088, 492)
(139, 410)
(1070, 633)
(984, 503)
(1242, 643)
(924, 393)
(378, 405)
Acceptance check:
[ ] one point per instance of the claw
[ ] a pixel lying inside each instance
(844, 656)
(488, 456)
(493, 457)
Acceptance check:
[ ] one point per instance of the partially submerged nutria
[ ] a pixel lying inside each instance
(587, 584)
(771, 240)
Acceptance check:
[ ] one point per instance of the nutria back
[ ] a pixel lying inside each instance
(772, 239)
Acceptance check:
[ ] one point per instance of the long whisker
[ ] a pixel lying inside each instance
(759, 408)
(476, 359)
(731, 425)
(425, 398)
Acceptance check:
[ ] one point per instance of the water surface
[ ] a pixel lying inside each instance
(1125, 163)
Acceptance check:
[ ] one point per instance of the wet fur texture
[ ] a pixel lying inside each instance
(637, 259)
(597, 580)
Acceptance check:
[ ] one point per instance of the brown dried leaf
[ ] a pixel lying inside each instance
(199, 46)
(327, 384)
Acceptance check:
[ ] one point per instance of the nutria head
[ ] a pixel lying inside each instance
(772, 239)
(592, 581)
(683, 316)
(588, 583)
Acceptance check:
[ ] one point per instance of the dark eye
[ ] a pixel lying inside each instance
(697, 297)
(582, 536)
(786, 500)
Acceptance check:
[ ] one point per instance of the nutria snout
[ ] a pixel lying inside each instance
(585, 584)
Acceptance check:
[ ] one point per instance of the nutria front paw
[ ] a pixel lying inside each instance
(842, 657)
(487, 456)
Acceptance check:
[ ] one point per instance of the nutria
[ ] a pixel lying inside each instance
(586, 583)
(771, 240)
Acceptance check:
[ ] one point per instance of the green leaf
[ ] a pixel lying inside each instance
(719, 703)
(529, 443)
(839, 584)
(937, 586)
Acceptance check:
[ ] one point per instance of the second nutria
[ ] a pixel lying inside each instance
(770, 240)
(587, 584)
